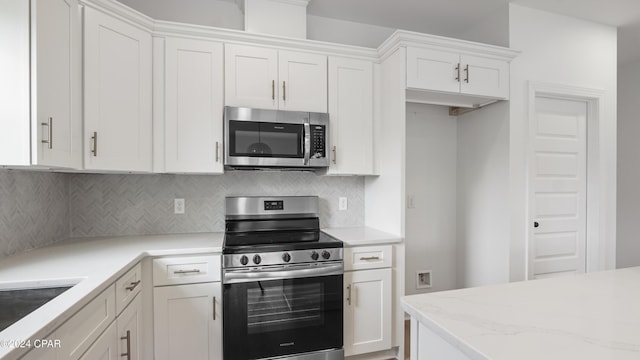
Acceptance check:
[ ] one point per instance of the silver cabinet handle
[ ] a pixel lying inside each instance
(349, 294)
(49, 125)
(466, 71)
(284, 91)
(458, 72)
(335, 157)
(369, 258)
(217, 152)
(214, 308)
(132, 285)
(94, 139)
(273, 89)
(128, 339)
(186, 271)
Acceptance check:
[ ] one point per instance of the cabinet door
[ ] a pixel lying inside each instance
(251, 77)
(302, 81)
(105, 348)
(42, 353)
(351, 116)
(193, 100)
(188, 321)
(433, 70)
(367, 314)
(55, 106)
(117, 94)
(129, 325)
(484, 77)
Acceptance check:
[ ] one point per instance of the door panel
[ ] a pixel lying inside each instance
(193, 92)
(303, 81)
(251, 76)
(558, 198)
(432, 70)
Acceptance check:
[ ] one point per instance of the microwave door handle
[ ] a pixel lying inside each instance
(307, 143)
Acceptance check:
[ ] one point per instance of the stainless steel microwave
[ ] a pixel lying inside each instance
(259, 138)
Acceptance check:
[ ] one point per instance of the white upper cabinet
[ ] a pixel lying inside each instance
(351, 116)
(40, 116)
(193, 106)
(271, 79)
(484, 77)
(117, 94)
(303, 81)
(452, 72)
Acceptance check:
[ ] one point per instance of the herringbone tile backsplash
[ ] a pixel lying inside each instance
(143, 204)
(40, 208)
(34, 210)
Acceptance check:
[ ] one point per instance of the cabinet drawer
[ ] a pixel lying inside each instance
(186, 270)
(368, 257)
(79, 332)
(127, 287)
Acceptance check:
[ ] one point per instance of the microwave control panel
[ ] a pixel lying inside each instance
(318, 141)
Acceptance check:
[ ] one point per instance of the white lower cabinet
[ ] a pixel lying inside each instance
(129, 326)
(79, 333)
(105, 348)
(367, 299)
(188, 321)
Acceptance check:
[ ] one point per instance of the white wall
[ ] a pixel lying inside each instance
(493, 30)
(561, 50)
(628, 244)
(482, 196)
(430, 232)
(224, 14)
(346, 32)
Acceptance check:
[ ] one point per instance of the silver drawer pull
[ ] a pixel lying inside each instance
(369, 258)
(186, 271)
(133, 285)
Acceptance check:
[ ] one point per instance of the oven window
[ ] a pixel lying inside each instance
(284, 306)
(271, 318)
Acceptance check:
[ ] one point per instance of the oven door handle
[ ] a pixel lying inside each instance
(289, 272)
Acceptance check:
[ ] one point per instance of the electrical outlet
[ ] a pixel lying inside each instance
(342, 203)
(423, 279)
(178, 206)
(411, 202)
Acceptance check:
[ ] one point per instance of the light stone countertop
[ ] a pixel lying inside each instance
(592, 316)
(93, 264)
(358, 236)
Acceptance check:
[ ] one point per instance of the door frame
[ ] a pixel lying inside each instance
(596, 244)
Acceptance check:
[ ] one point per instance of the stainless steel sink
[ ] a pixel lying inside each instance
(18, 303)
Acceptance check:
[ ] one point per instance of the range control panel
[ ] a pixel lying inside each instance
(274, 205)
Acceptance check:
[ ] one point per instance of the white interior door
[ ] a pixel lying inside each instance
(557, 241)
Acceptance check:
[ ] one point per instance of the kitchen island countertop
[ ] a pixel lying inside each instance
(591, 316)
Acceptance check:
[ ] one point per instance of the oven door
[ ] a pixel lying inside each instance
(279, 317)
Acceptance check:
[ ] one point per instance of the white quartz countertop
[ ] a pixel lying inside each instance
(91, 263)
(357, 236)
(593, 316)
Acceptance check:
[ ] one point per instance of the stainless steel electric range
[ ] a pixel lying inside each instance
(282, 281)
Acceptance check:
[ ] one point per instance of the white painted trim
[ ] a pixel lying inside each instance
(597, 242)
(402, 38)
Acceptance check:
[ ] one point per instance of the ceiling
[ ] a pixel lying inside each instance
(435, 16)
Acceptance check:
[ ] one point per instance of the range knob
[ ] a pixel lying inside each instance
(326, 255)
(257, 259)
(286, 257)
(244, 260)
(314, 255)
